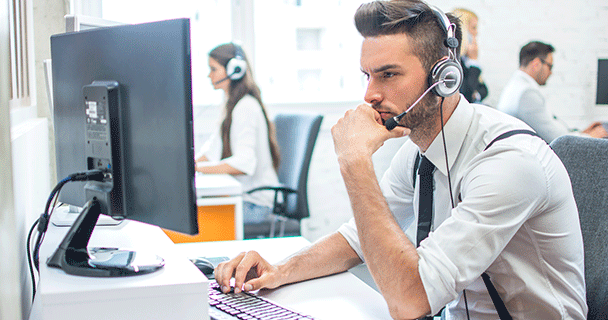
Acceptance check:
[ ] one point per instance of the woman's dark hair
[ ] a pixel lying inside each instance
(237, 90)
(415, 19)
(532, 50)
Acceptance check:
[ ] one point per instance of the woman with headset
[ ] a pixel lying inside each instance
(244, 143)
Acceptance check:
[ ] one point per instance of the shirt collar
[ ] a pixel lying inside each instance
(526, 77)
(455, 132)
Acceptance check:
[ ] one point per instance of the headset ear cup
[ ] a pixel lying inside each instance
(449, 75)
(236, 68)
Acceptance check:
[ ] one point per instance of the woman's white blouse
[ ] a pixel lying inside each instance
(250, 150)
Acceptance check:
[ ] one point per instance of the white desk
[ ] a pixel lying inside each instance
(177, 291)
(340, 296)
(214, 185)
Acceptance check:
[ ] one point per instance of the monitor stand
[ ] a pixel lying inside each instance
(74, 257)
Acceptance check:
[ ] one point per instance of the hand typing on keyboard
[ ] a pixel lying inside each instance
(251, 272)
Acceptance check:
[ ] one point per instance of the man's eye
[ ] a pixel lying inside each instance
(388, 75)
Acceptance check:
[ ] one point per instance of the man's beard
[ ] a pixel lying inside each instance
(421, 116)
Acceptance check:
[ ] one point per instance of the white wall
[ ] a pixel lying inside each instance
(31, 187)
(10, 274)
(24, 160)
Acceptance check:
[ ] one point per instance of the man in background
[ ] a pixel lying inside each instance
(522, 98)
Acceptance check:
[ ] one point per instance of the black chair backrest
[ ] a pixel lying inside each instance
(296, 136)
(586, 160)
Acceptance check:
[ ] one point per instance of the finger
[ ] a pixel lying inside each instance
(256, 283)
(224, 271)
(398, 132)
(250, 260)
(378, 118)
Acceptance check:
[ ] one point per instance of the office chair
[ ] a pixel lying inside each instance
(586, 160)
(296, 136)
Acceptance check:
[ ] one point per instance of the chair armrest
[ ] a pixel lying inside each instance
(276, 189)
(279, 206)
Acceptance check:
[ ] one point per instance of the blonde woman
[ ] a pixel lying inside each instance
(473, 87)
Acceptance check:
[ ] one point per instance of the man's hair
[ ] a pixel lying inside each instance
(413, 18)
(532, 50)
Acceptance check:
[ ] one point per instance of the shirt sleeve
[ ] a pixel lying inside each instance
(533, 111)
(495, 204)
(247, 118)
(349, 231)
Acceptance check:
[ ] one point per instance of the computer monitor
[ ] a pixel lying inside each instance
(602, 82)
(73, 22)
(123, 104)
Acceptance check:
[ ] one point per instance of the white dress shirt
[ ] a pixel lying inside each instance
(522, 99)
(515, 218)
(250, 150)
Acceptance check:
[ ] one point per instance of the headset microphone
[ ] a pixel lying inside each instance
(393, 122)
(221, 80)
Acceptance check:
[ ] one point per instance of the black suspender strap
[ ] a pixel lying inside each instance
(511, 133)
(503, 313)
(501, 309)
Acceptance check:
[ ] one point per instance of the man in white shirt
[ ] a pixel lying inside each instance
(522, 98)
(507, 211)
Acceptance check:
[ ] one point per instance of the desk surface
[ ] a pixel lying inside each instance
(340, 296)
(177, 285)
(212, 185)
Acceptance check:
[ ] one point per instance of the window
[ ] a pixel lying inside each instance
(307, 51)
(209, 26)
(21, 50)
(301, 51)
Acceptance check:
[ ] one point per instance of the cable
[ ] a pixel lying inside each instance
(43, 221)
(29, 258)
(445, 150)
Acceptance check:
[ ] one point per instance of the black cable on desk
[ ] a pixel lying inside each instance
(43, 221)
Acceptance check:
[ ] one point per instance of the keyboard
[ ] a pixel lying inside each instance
(246, 306)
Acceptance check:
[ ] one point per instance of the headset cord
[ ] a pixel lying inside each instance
(447, 167)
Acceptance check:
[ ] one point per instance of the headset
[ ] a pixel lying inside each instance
(445, 77)
(237, 66)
